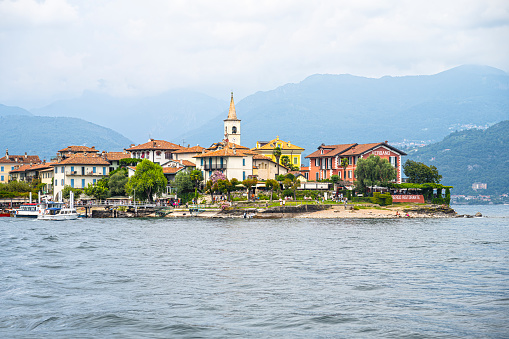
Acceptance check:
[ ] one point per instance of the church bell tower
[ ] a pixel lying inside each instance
(232, 125)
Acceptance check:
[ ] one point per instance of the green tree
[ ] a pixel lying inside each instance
(117, 182)
(344, 164)
(184, 185)
(148, 180)
(66, 192)
(277, 154)
(334, 179)
(129, 162)
(99, 191)
(272, 184)
(419, 173)
(228, 186)
(285, 161)
(249, 183)
(197, 177)
(374, 171)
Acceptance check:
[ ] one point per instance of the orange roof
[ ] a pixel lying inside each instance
(171, 170)
(156, 145)
(224, 144)
(194, 149)
(116, 155)
(80, 159)
(186, 163)
(360, 149)
(79, 149)
(20, 159)
(330, 150)
(350, 149)
(32, 167)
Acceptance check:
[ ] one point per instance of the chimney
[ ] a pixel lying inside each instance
(385, 141)
(188, 145)
(132, 145)
(25, 155)
(93, 147)
(7, 153)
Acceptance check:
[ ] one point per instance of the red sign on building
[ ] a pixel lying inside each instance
(408, 198)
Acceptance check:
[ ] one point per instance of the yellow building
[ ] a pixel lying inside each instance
(287, 148)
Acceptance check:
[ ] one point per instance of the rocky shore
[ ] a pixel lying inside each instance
(299, 211)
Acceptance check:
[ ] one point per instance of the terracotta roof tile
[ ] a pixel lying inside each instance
(172, 170)
(79, 159)
(110, 156)
(32, 167)
(79, 149)
(194, 149)
(21, 159)
(156, 145)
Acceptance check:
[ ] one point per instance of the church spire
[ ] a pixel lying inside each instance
(231, 113)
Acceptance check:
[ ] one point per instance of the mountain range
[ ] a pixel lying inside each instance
(323, 108)
(471, 156)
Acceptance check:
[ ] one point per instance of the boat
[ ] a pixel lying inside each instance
(29, 210)
(5, 213)
(55, 213)
(57, 210)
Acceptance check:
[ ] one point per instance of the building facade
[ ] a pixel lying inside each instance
(78, 171)
(157, 151)
(232, 125)
(9, 163)
(293, 152)
(326, 161)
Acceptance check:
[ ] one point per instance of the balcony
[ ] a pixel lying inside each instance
(210, 167)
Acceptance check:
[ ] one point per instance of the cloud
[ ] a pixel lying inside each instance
(122, 47)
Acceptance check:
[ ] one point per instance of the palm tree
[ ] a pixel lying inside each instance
(344, 164)
(277, 154)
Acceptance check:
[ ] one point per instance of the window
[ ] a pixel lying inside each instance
(349, 174)
(62, 181)
(243, 175)
(72, 183)
(201, 161)
(12, 168)
(167, 155)
(243, 162)
(72, 170)
(56, 182)
(93, 181)
(393, 161)
(234, 130)
(93, 169)
(317, 163)
(316, 175)
(2, 178)
(83, 183)
(158, 153)
(104, 170)
(295, 160)
(2, 169)
(62, 169)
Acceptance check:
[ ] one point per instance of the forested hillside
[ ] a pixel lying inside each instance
(471, 156)
(44, 136)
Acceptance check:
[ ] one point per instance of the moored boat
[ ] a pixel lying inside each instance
(29, 210)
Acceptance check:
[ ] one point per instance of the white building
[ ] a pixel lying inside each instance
(158, 151)
(78, 170)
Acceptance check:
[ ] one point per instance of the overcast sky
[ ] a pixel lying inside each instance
(57, 49)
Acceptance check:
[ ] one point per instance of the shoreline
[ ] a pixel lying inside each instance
(302, 212)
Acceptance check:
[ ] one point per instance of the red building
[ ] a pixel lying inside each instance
(326, 161)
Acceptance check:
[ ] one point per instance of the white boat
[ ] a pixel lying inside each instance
(58, 211)
(29, 210)
(55, 213)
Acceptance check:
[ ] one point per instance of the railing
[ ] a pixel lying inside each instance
(208, 167)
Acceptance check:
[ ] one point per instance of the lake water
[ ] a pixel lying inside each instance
(290, 278)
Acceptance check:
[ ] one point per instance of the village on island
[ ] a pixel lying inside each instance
(162, 179)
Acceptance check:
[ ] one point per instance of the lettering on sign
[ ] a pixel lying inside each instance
(408, 198)
(381, 153)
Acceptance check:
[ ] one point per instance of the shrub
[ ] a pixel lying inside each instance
(382, 199)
